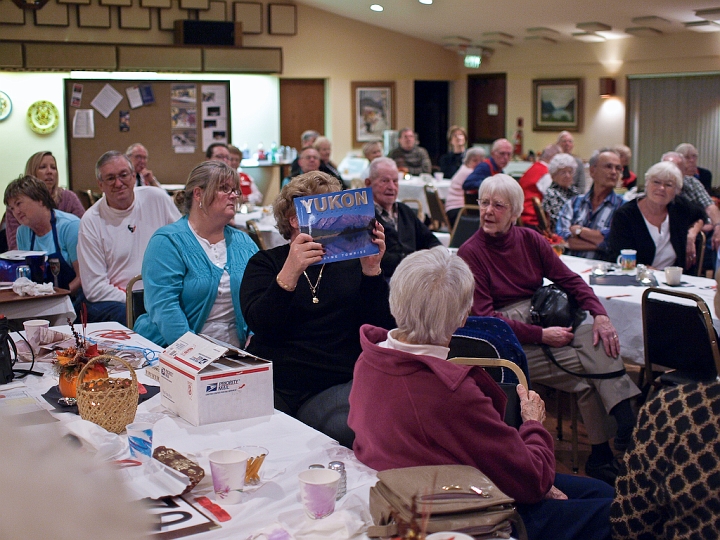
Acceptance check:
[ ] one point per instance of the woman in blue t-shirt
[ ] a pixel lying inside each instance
(44, 228)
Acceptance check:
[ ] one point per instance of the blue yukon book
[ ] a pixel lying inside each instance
(341, 221)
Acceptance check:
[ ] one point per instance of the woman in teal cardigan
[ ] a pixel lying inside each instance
(192, 269)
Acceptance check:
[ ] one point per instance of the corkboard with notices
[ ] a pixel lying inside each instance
(175, 120)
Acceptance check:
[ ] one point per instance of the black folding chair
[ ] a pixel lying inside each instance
(134, 301)
(466, 224)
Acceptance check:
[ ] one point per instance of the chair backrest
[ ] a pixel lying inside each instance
(700, 243)
(679, 335)
(417, 206)
(134, 301)
(543, 221)
(84, 197)
(254, 233)
(466, 224)
(437, 209)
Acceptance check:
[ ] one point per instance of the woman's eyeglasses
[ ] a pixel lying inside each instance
(228, 189)
(498, 206)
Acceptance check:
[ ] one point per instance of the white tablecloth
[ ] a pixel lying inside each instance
(55, 309)
(414, 188)
(292, 447)
(624, 305)
(266, 225)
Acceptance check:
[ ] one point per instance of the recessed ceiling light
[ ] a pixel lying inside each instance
(376, 7)
(593, 27)
(426, 2)
(702, 26)
(588, 37)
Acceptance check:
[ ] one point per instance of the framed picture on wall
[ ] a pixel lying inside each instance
(373, 110)
(557, 104)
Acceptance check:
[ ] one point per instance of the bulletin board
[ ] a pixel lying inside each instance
(175, 120)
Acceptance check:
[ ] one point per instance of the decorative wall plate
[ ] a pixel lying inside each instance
(43, 117)
(5, 106)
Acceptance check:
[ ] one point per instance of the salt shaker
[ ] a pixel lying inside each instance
(339, 466)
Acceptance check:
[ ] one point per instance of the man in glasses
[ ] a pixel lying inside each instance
(584, 221)
(138, 155)
(114, 234)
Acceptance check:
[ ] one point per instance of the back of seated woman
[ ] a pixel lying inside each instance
(409, 406)
(660, 226)
(192, 268)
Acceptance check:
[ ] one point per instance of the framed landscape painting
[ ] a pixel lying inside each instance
(373, 106)
(557, 104)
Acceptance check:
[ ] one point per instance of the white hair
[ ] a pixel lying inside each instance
(665, 170)
(561, 161)
(506, 187)
(431, 293)
(474, 153)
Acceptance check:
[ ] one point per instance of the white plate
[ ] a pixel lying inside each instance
(19, 255)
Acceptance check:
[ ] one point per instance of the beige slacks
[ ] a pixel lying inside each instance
(596, 397)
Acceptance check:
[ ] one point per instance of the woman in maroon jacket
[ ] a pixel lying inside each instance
(409, 406)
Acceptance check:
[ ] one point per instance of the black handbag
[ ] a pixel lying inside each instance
(8, 356)
(553, 306)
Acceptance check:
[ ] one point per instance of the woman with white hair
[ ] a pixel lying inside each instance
(324, 148)
(562, 171)
(660, 226)
(509, 264)
(409, 406)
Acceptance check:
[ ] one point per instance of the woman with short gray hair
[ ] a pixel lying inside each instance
(409, 406)
(562, 171)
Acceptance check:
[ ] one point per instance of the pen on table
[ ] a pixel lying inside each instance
(617, 296)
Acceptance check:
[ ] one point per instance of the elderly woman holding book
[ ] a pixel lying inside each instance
(305, 314)
(409, 406)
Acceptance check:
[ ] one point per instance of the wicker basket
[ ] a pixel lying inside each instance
(110, 403)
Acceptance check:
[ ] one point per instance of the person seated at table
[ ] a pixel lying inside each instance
(309, 161)
(628, 180)
(690, 153)
(535, 183)
(500, 155)
(456, 195)
(584, 221)
(305, 316)
(45, 228)
(218, 151)
(371, 151)
(114, 233)
(660, 226)
(138, 155)
(509, 264)
(404, 232)
(409, 406)
(561, 190)
(192, 269)
(669, 482)
(324, 148)
(42, 165)
(307, 138)
(450, 163)
(410, 157)
(249, 191)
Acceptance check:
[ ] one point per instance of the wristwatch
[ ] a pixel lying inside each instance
(576, 230)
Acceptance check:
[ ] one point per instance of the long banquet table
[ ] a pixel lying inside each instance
(624, 304)
(292, 446)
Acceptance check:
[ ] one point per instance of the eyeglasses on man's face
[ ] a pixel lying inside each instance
(123, 177)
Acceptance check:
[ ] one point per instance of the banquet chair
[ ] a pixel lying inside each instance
(437, 210)
(467, 223)
(254, 233)
(700, 243)
(543, 221)
(686, 352)
(134, 302)
(417, 206)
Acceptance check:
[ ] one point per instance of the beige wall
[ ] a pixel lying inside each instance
(604, 120)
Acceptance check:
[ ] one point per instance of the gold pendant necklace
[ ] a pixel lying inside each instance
(313, 288)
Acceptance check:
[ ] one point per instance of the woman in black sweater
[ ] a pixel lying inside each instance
(306, 319)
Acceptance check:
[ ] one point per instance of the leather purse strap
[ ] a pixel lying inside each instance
(601, 376)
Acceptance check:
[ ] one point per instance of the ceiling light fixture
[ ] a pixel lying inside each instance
(702, 26)
(543, 31)
(426, 2)
(650, 20)
(498, 35)
(376, 7)
(593, 27)
(643, 31)
(540, 39)
(709, 14)
(588, 37)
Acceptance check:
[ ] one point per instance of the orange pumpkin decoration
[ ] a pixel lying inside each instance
(68, 381)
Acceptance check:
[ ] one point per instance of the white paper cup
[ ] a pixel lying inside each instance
(438, 176)
(228, 474)
(673, 275)
(140, 435)
(34, 332)
(318, 488)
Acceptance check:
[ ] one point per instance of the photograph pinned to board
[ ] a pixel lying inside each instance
(124, 121)
(183, 94)
(76, 98)
(107, 99)
(183, 117)
(214, 114)
(184, 141)
(146, 92)
(83, 126)
(134, 97)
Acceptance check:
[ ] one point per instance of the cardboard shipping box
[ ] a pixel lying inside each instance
(204, 381)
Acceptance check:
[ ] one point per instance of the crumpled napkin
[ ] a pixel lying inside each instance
(49, 340)
(350, 519)
(23, 286)
(106, 445)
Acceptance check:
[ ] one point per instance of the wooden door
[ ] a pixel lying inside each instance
(302, 107)
(486, 107)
